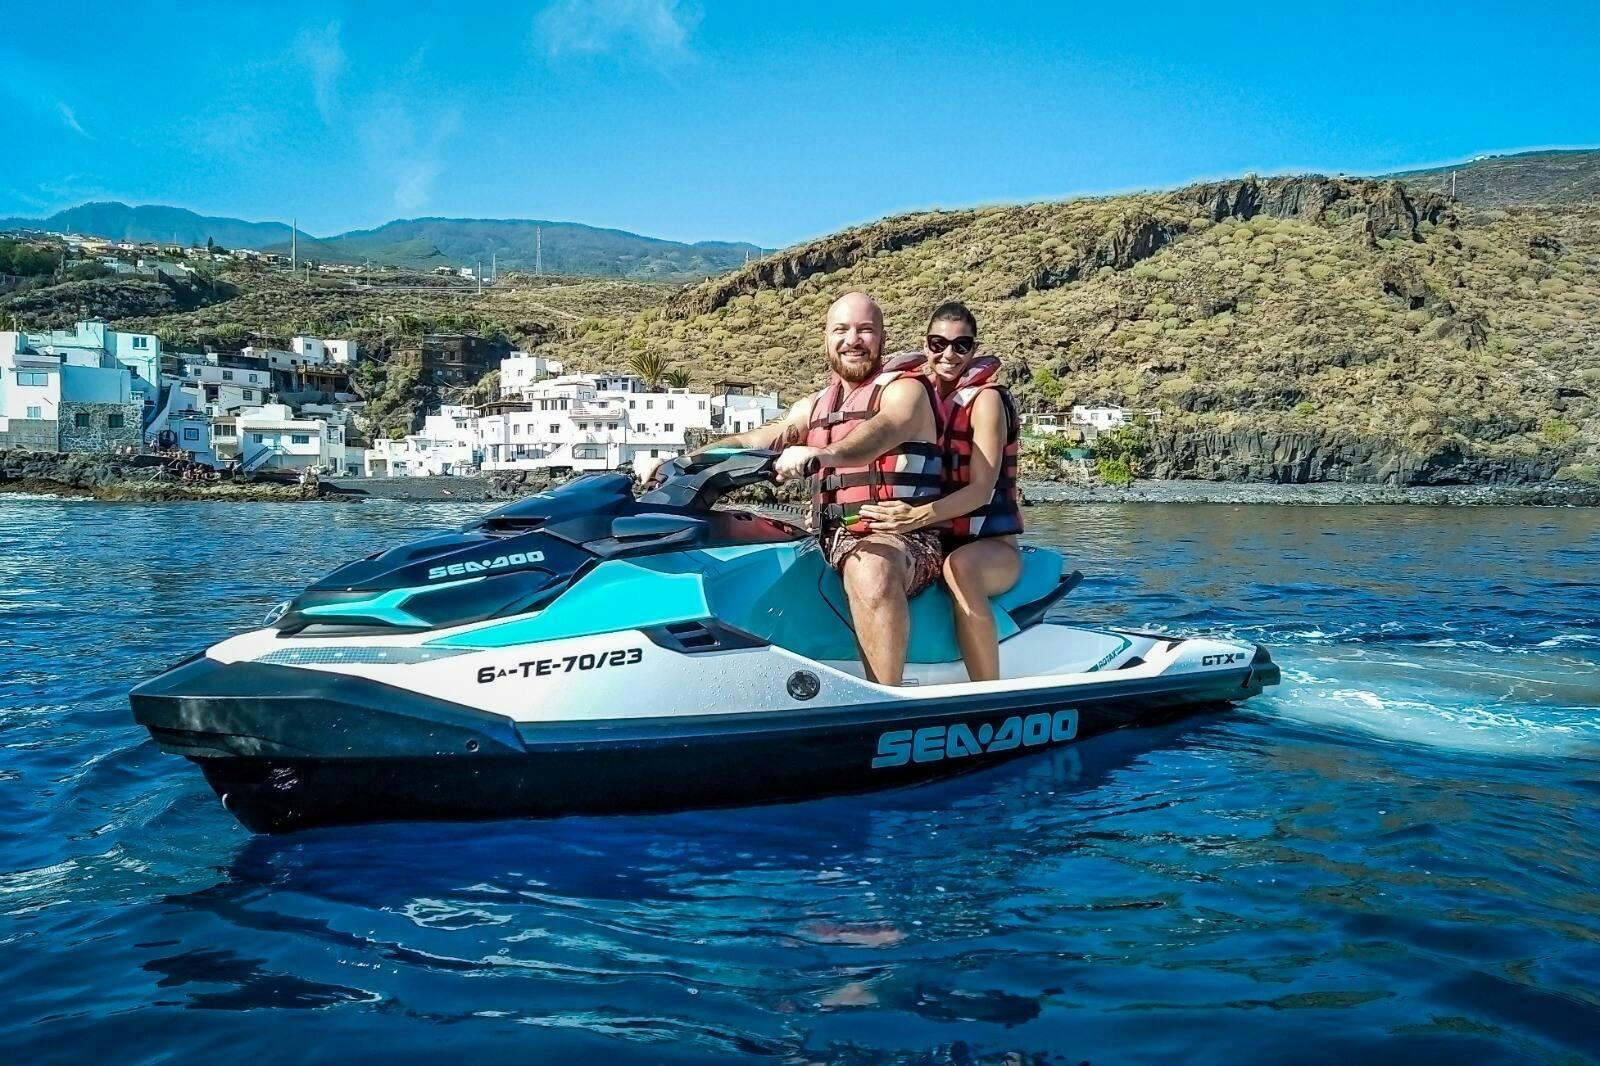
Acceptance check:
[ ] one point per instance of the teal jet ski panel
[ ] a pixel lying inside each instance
(615, 595)
(805, 610)
(784, 594)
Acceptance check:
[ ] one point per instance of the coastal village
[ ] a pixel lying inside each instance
(262, 410)
(294, 412)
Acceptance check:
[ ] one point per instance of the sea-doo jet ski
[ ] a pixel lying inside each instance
(586, 651)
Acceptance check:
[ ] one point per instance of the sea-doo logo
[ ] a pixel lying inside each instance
(934, 742)
(1222, 660)
(499, 562)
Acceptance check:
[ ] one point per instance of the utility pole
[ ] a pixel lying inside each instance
(538, 250)
(294, 245)
(494, 266)
(480, 277)
(1452, 185)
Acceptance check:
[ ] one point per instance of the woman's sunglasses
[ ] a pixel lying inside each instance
(963, 345)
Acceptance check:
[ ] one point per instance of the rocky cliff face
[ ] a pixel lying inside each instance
(788, 269)
(1300, 457)
(1385, 208)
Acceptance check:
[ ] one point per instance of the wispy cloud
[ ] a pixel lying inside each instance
(71, 119)
(320, 51)
(407, 148)
(590, 27)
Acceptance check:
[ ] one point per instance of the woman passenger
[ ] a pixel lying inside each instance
(979, 513)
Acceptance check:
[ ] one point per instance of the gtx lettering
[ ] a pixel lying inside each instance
(934, 742)
(499, 562)
(1221, 660)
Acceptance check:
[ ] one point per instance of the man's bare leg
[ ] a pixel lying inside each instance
(874, 579)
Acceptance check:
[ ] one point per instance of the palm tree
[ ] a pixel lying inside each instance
(676, 379)
(649, 366)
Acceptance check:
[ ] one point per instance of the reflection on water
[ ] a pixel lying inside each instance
(1396, 851)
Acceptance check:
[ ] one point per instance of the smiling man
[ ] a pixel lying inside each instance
(874, 435)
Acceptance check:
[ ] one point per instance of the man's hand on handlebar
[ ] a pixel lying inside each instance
(798, 461)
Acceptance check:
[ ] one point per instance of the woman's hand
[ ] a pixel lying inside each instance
(896, 516)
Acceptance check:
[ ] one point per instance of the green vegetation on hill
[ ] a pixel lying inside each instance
(26, 261)
(1314, 315)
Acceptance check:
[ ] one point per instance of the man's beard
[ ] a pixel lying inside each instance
(854, 375)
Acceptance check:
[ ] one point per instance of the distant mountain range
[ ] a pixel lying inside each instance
(1524, 179)
(420, 243)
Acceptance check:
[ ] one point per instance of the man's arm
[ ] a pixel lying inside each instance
(790, 429)
(903, 413)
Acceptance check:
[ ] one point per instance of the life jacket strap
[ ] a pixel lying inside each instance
(874, 476)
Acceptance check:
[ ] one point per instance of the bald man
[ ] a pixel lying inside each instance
(880, 571)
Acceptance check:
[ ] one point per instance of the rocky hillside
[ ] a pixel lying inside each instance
(1284, 329)
(1528, 179)
(113, 298)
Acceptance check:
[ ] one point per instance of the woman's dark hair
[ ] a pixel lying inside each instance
(953, 311)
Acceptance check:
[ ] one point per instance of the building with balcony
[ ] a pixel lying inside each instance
(570, 423)
(272, 437)
(444, 359)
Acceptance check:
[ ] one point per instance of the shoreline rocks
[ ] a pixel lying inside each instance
(146, 479)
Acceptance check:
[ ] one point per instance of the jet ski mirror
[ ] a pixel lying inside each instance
(701, 480)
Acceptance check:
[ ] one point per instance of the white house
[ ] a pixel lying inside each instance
(224, 388)
(1098, 417)
(271, 437)
(88, 340)
(450, 443)
(1043, 423)
(521, 369)
(180, 421)
(275, 358)
(309, 351)
(1101, 419)
(735, 410)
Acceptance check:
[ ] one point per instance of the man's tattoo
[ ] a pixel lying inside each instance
(792, 435)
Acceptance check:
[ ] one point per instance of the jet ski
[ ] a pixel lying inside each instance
(587, 651)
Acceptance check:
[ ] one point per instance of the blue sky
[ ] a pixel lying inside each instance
(770, 123)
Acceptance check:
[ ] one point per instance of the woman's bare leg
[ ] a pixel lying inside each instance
(975, 572)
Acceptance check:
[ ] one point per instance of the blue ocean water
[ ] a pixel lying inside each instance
(1395, 855)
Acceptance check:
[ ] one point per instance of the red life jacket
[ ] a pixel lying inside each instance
(1002, 515)
(910, 472)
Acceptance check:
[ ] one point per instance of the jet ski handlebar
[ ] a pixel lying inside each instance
(698, 480)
